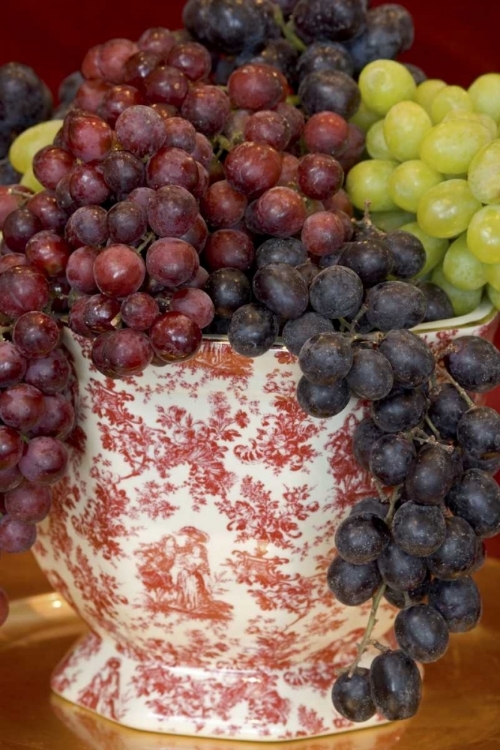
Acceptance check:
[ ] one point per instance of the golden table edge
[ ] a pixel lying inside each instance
(459, 710)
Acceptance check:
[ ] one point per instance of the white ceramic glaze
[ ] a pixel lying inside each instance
(193, 534)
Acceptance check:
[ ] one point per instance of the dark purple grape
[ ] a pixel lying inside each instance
(388, 32)
(400, 410)
(230, 289)
(371, 374)
(322, 401)
(458, 602)
(297, 331)
(370, 259)
(361, 538)
(371, 505)
(364, 437)
(395, 304)
(281, 250)
(408, 253)
(352, 584)
(447, 407)
(456, 556)
(326, 358)
(281, 288)
(412, 361)
(422, 633)
(253, 329)
(390, 458)
(123, 172)
(315, 19)
(476, 498)
(403, 599)
(336, 292)
(324, 55)
(399, 570)
(439, 306)
(419, 529)
(351, 695)
(396, 685)
(474, 363)
(329, 91)
(430, 475)
(478, 432)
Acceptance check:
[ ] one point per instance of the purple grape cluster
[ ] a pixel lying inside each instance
(37, 415)
(418, 542)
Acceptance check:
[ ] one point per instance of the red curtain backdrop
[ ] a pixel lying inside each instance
(455, 40)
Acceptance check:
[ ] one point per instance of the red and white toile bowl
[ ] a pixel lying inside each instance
(193, 534)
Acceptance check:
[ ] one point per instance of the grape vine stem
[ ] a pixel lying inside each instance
(446, 376)
(372, 621)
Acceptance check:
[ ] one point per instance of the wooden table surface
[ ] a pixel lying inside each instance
(460, 709)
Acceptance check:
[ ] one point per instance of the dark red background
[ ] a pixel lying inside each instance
(455, 40)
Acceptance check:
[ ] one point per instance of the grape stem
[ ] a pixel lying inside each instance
(446, 375)
(288, 30)
(372, 621)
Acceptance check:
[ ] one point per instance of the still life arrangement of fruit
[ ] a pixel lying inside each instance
(272, 176)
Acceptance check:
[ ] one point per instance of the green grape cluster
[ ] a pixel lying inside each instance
(434, 170)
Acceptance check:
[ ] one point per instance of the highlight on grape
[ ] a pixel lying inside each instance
(271, 174)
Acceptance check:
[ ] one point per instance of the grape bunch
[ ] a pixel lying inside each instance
(434, 172)
(37, 415)
(431, 453)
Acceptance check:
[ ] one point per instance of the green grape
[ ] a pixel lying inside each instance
(492, 274)
(435, 247)
(450, 146)
(364, 117)
(484, 173)
(384, 83)
(25, 146)
(410, 181)
(30, 181)
(426, 91)
(462, 302)
(493, 296)
(376, 144)
(367, 182)
(388, 221)
(485, 95)
(486, 120)
(405, 125)
(483, 234)
(461, 268)
(446, 209)
(448, 99)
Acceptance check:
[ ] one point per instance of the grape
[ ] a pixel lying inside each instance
(44, 461)
(430, 476)
(483, 237)
(297, 331)
(370, 505)
(28, 503)
(394, 304)
(19, 227)
(313, 19)
(140, 130)
(330, 91)
(419, 529)
(89, 137)
(319, 176)
(483, 93)
(267, 126)
(450, 146)
(449, 99)
(99, 313)
(229, 26)
(281, 250)
(412, 361)
(388, 31)
(370, 259)
(483, 173)
(476, 498)
(408, 253)
(13, 364)
(400, 570)
(367, 183)
(376, 144)
(50, 164)
(157, 40)
(351, 695)
(371, 374)
(322, 233)
(396, 685)
(165, 85)
(326, 133)
(280, 212)
(10, 478)
(324, 55)
(446, 209)
(365, 435)
(169, 261)
(336, 292)
(458, 602)
(127, 352)
(390, 458)
(462, 302)
(24, 97)
(353, 584)
(126, 223)
(229, 289)
(384, 83)
(474, 363)
(325, 358)
(119, 270)
(456, 555)
(400, 410)
(21, 406)
(222, 206)
(11, 447)
(253, 330)
(16, 535)
(422, 633)
(478, 432)
(252, 168)
(361, 538)
(229, 248)
(49, 374)
(192, 58)
(403, 599)
(322, 401)
(175, 337)
(36, 334)
(447, 406)
(113, 55)
(58, 419)
(207, 108)
(87, 185)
